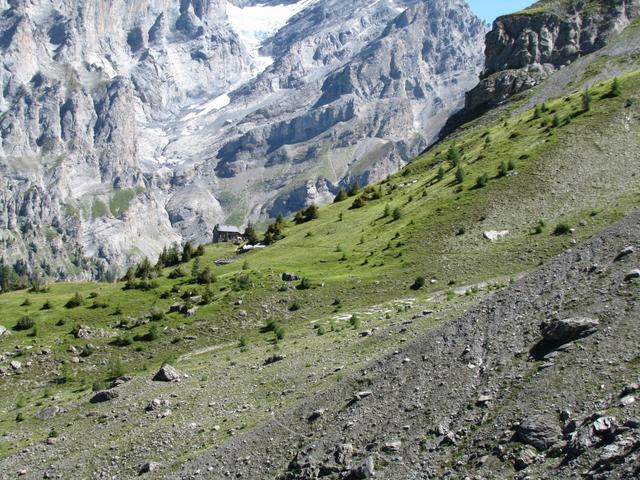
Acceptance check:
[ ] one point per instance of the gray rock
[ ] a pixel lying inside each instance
(176, 307)
(365, 470)
(167, 374)
(632, 275)
(392, 446)
(592, 432)
(361, 395)
(16, 365)
(343, 453)
(149, 467)
(539, 431)
(524, 458)
(49, 412)
(289, 277)
(559, 332)
(522, 50)
(274, 359)
(4, 332)
(625, 252)
(120, 381)
(104, 396)
(316, 414)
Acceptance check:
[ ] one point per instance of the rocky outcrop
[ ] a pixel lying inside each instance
(524, 48)
(127, 126)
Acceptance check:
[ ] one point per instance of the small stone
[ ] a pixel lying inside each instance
(539, 431)
(495, 235)
(16, 365)
(289, 277)
(362, 395)
(392, 446)
(49, 412)
(4, 332)
(365, 470)
(149, 467)
(343, 453)
(525, 457)
(625, 252)
(104, 396)
(483, 400)
(274, 359)
(632, 275)
(316, 414)
(628, 400)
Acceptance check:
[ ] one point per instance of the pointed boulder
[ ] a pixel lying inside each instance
(167, 374)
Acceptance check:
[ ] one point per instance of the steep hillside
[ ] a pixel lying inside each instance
(125, 127)
(537, 182)
(524, 48)
(539, 381)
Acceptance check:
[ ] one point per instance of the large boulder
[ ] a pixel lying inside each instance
(4, 331)
(593, 432)
(539, 431)
(49, 412)
(104, 396)
(564, 331)
(167, 374)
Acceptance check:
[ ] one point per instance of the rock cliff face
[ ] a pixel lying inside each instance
(524, 48)
(126, 126)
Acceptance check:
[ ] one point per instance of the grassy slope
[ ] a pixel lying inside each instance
(582, 171)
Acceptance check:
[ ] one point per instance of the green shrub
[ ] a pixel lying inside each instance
(156, 314)
(482, 181)
(150, 336)
(47, 305)
(503, 169)
(305, 284)
(562, 229)
(454, 155)
(75, 301)
(355, 321)
(418, 283)
(295, 306)
(359, 202)
(440, 174)
(176, 273)
(556, 121)
(460, 174)
(616, 88)
(122, 341)
(280, 332)
(341, 196)
(587, 100)
(25, 323)
(205, 276)
(396, 214)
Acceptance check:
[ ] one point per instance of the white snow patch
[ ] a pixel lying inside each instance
(256, 24)
(217, 103)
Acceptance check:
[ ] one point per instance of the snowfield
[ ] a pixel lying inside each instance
(256, 24)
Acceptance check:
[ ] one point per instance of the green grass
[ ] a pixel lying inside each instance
(354, 258)
(120, 200)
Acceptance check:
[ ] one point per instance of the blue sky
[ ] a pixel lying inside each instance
(490, 9)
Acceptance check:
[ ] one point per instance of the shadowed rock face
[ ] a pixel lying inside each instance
(523, 49)
(126, 126)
